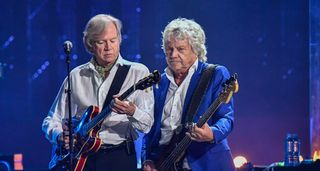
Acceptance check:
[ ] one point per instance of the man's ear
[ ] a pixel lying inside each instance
(91, 49)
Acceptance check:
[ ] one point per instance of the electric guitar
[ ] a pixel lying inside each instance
(86, 140)
(173, 155)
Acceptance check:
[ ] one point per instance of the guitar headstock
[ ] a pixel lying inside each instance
(229, 87)
(148, 81)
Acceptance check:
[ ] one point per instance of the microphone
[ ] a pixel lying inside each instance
(67, 46)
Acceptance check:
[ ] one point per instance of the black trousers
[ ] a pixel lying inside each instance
(112, 159)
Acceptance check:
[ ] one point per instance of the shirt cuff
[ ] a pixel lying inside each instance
(138, 114)
(55, 134)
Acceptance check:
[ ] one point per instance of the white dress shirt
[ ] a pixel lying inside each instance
(89, 88)
(173, 107)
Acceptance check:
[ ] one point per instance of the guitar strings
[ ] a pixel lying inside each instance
(184, 143)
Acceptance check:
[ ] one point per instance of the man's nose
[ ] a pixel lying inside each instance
(107, 45)
(174, 53)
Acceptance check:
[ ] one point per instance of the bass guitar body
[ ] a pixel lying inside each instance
(167, 161)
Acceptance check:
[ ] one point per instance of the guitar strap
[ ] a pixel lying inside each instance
(199, 93)
(115, 87)
(116, 84)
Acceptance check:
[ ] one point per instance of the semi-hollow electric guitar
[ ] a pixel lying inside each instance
(173, 155)
(86, 140)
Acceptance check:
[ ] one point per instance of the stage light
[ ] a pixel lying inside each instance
(300, 158)
(239, 161)
(316, 155)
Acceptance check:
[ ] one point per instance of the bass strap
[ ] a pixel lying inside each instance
(199, 93)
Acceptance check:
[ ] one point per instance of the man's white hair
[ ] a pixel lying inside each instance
(95, 27)
(182, 28)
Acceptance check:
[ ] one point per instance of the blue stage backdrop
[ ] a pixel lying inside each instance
(265, 42)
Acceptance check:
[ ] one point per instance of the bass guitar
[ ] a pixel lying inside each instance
(86, 140)
(173, 155)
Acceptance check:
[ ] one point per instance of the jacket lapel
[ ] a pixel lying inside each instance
(160, 97)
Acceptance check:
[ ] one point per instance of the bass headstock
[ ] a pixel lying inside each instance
(229, 87)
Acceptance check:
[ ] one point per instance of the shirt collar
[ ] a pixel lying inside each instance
(120, 61)
(94, 66)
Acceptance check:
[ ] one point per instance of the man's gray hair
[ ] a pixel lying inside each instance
(182, 28)
(95, 27)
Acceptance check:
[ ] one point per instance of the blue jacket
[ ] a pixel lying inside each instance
(200, 155)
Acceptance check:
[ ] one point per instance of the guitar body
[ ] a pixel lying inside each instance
(83, 146)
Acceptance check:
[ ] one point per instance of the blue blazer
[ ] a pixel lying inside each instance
(200, 155)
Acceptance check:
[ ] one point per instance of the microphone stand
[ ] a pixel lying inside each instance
(67, 51)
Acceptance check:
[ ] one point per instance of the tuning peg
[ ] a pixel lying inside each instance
(235, 75)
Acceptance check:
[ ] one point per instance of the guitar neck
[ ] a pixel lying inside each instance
(107, 110)
(209, 112)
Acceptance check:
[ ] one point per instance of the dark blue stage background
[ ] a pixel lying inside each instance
(265, 42)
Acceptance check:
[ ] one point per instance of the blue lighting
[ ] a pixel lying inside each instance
(125, 36)
(40, 70)
(8, 42)
(138, 56)
(75, 56)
